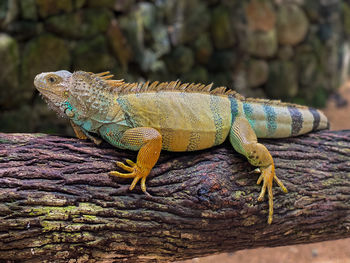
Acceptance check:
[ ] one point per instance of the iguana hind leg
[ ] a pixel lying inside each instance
(244, 140)
(149, 143)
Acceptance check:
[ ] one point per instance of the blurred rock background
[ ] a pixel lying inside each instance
(283, 49)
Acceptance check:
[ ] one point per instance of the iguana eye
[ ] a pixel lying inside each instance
(52, 79)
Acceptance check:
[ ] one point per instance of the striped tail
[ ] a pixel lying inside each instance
(280, 120)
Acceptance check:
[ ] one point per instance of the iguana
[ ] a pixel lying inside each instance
(174, 116)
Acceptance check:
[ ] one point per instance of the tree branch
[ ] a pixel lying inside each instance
(57, 201)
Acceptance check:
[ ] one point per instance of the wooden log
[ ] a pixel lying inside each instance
(58, 203)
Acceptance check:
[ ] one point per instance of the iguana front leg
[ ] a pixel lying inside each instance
(244, 140)
(83, 135)
(78, 131)
(149, 143)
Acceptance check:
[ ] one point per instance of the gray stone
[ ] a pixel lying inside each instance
(203, 48)
(119, 44)
(307, 65)
(79, 4)
(312, 10)
(158, 66)
(18, 120)
(93, 56)
(123, 5)
(85, 23)
(161, 73)
(8, 12)
(3, 11)
(142, 25)
(346, 18)
(10, 91)
(28, 9)
(292, 24)
(257, 72)
(223, 78)
(180, 60)
(52, 7)
(221, 28)
(320, 96)
(188, 19)
(34, 118)
(132, 26)
(161, 43)
(254, 93)
(259, 43)
(260, 15)
(148, 13)
(326, 32)
(101, 3)
(24, 30)
(285, 52)
(315, 94)
(148, 60)
(198, 74)
(222, 60)
(42, 54)
(283, 80)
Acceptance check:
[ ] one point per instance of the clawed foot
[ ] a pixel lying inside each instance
(268, 175)
(135, 172)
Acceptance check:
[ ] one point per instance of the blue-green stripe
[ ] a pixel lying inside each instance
(271, 117)
(234, 107)
(248, 112)
(214, 101)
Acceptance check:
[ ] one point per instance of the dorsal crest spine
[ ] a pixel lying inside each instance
(121, 87)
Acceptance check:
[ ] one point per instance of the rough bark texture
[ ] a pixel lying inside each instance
(58, 203)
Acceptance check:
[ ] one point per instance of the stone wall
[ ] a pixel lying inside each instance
(285, 49)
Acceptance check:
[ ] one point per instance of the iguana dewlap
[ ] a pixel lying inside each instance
(172, 116)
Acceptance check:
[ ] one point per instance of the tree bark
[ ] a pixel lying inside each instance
(58, 203)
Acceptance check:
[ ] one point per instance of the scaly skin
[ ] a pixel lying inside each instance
(175, 117)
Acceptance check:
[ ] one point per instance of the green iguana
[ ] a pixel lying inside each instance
(148, 117)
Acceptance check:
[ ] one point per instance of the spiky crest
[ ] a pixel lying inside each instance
(122, 87)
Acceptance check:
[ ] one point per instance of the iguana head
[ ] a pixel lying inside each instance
(80, 96)
(54, 87)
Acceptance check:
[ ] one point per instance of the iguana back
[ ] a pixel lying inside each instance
(193, 120)
(187, 121)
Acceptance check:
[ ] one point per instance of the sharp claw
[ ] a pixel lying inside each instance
(134, 182)
(268, 175)
(261, 196)
(280, 184)
(143, 185)
(263, 189)
(129, 162)
(125, 167)
(120, 164)
(134, 172)
(260, 178)
(269, 220)
(118, 174)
